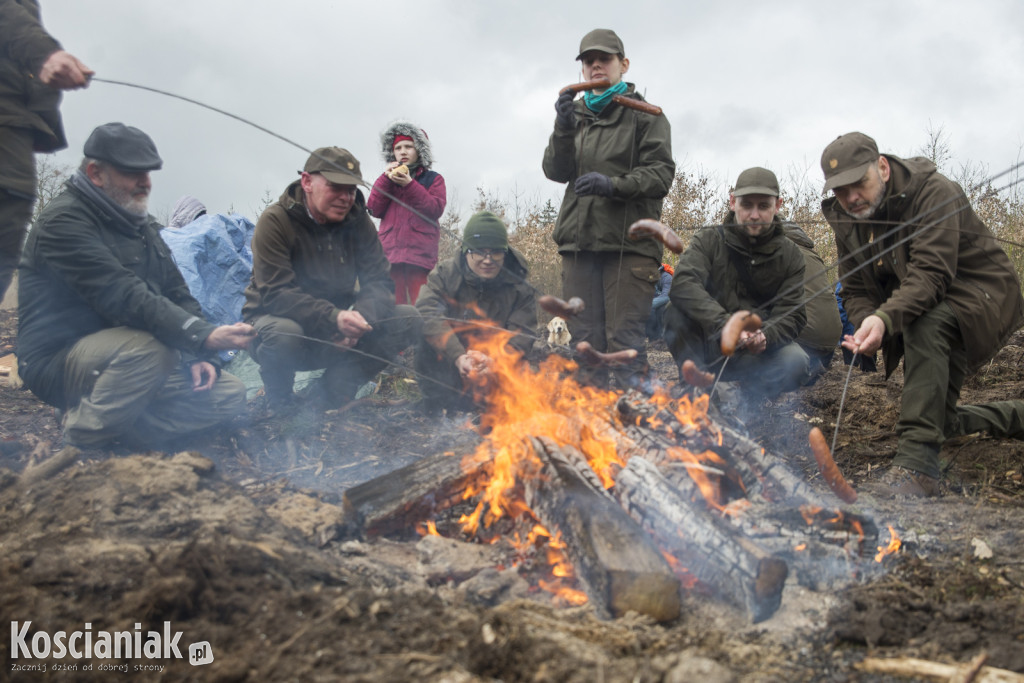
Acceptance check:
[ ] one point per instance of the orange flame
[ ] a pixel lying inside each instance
(520, 402)
(894, 545)
(427, 528)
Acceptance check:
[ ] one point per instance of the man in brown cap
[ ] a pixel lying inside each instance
(319, 271)
(745, 264)
(923, 279)
(108, 331)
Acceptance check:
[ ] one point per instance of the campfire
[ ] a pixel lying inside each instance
(627, 499)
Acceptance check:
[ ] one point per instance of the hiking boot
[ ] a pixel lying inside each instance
(902, 482)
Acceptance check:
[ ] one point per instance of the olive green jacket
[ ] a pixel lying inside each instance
(24, 101)
(634, 150)
(723, 271)
(941, 251)
(453, 291)
(824, 327)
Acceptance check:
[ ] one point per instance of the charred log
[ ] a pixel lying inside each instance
(714, 554)
(618, 565)
(395, 502)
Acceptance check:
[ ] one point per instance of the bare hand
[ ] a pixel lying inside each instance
(63, 71)
(868, 337)
(203, 376)
(227, 337)
(352, 326)
(400, 179)
(473, 363)
(754, 342)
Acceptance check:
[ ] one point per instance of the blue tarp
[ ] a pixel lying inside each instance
(214, 256)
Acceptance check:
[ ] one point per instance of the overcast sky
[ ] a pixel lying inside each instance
(743, 83)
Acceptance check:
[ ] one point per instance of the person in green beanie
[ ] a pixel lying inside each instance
(466, 300)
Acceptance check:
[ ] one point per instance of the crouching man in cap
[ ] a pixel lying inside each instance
(108, 331)
(319, 271)
(923, 279)
(485, 286)
(747, 263)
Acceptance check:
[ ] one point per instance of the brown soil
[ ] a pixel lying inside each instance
(237, 542)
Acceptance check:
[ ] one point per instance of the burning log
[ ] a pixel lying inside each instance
(712, 552)
(619, 566)
(398, 500)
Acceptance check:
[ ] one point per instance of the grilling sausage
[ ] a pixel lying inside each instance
(741, 321)
(592, 356)
(696, 377)
(563, 309)
(829, 469)
(648, 227)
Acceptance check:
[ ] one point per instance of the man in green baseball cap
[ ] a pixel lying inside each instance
(745, 264)
(319, 271)
(923, 279)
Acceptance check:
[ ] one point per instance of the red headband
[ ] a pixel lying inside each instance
(399, 138)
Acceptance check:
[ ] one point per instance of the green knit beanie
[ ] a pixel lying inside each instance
(485, 230)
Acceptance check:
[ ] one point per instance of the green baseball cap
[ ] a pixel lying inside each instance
(335, 164)
(756, 180)
(603, 40)
(847, 159)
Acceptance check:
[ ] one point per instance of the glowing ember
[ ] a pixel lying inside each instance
(894, 545)
(427, 528)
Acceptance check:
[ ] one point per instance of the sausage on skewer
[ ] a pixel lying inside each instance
(563, 309)
(739, 322)
(828, 468)
(648, 227)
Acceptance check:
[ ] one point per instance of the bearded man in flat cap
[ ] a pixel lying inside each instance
(923, 279)
(319, 271)
(108, 331)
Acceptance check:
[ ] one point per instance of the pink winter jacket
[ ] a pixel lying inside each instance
(406, 237)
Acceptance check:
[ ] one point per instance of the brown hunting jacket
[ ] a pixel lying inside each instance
(941, 252)
(309, 272)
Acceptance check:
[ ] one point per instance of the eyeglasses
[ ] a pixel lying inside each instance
(484, 254)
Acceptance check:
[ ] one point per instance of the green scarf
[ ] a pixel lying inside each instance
(597, 103)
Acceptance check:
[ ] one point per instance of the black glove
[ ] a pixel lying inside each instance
(566, 110)
(593, 183)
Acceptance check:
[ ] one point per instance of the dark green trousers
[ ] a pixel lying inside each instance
(122, 383)
(17, 194)
(281, 354)
(617, 289)
(934, 368)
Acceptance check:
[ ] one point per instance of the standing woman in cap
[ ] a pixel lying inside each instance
(617, 163)
(485, 285)
(408, 230)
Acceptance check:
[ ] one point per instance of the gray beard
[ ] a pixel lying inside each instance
(136, 207)
(873, 207)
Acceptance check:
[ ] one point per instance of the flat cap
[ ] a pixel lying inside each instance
(847, 159)
(125, 147)
(336, 165)
(756, 180)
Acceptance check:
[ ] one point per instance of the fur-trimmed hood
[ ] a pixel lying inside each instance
(419, 140)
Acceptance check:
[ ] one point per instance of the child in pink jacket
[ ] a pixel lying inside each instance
(409, 234)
